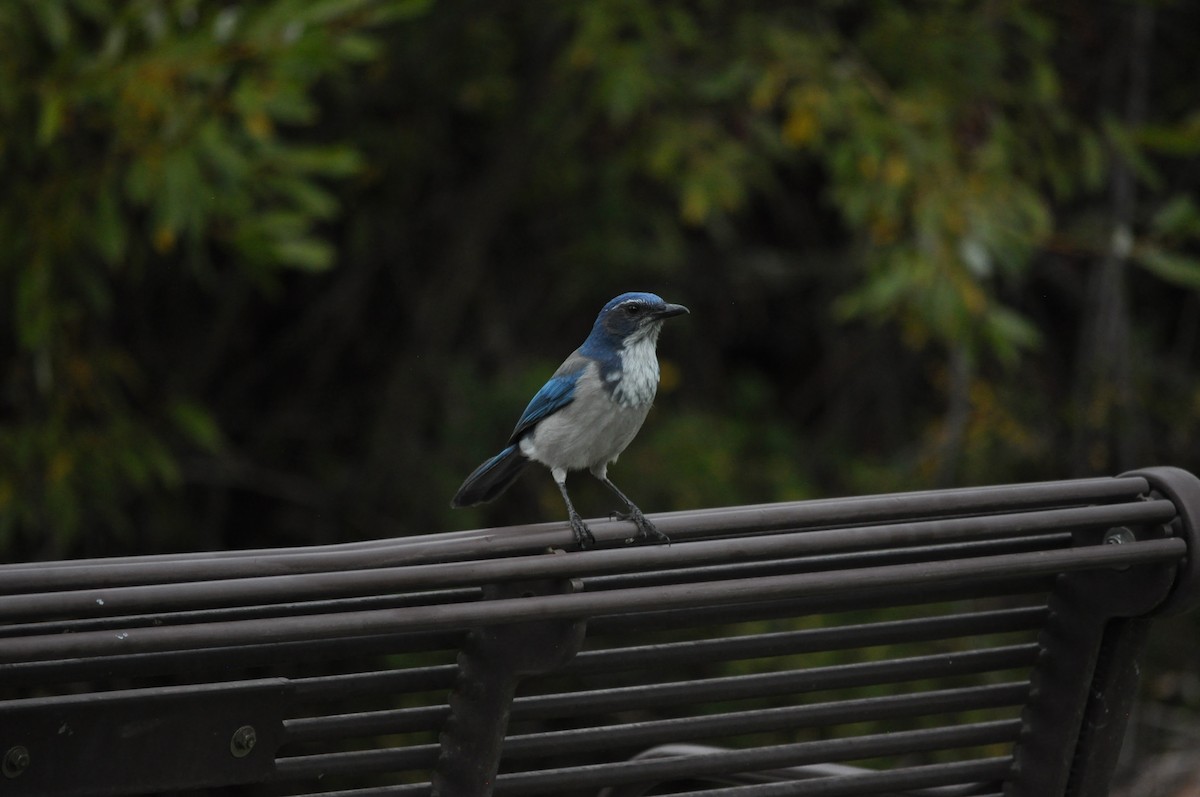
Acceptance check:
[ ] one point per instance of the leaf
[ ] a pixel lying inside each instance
(309, 197)
(1009, 333)
(55, 22)
(1172, 267)
(1123, 140)
(694, 202)
(879, 297)
(328, 161)
(358, 48)
(403, 9)
(308, 254)
(1181, 140)
(50, 120)
(626, 85)
(1179, 218)
(197, 424)
(180, 197)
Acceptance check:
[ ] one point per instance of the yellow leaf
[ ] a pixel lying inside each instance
(581, 56)
(694, 205)
(766, 90)
(164, 239)
(973, 297)
(800, 127)
(895, 170)
(259, 125)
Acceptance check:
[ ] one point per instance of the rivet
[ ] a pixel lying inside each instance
(1119, 536)
(243, 741)
(16, 761)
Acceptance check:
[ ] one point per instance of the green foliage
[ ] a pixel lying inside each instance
(927, 150)
(140, 138)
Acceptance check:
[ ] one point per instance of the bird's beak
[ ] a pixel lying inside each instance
(670, 310)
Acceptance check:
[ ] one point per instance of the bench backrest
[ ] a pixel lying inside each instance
(971, 641)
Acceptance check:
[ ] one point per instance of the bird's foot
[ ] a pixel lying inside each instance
(583, 535)
(646, 529)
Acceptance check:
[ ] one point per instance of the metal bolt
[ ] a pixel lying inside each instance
(243, 741)
(16, 761)
(1119, 536)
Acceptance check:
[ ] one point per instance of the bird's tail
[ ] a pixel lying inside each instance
(491, 478)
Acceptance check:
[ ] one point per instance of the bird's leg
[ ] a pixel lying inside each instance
(583, 535)
(646, 529)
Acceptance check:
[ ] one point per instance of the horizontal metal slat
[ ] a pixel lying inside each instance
(564, 606)
(213, 661)
(398, 790)
(1028, 589)
(850, 749)
(357, 762)
(365, 723)
(243, 612)
(782, 643)
(709, 726)
(953, 501)
(411, 679)
(835, 561)
(740, 687)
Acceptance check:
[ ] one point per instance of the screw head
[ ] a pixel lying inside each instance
(243, 741)
(1119, 536)
(16, 761)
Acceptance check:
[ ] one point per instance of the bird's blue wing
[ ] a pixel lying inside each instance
(557, 393)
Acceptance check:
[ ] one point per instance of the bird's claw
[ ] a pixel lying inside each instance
(583, 535)
(646, 529)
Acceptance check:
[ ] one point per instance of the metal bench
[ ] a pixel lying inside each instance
(959, 642)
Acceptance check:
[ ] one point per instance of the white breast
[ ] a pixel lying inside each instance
(639, 373)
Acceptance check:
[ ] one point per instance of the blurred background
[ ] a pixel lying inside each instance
(284, 272)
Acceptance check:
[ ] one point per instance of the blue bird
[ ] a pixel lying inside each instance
(588, 412)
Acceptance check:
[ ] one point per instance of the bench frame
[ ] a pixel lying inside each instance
(514, 602)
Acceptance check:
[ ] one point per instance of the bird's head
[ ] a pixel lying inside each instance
(631, 317)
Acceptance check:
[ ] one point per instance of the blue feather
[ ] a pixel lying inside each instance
(557, 393)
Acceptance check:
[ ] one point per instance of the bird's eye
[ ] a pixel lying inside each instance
(633, 309)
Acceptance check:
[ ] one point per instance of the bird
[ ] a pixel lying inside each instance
(587, 412)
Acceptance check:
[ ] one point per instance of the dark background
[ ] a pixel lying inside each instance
(284, 272)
